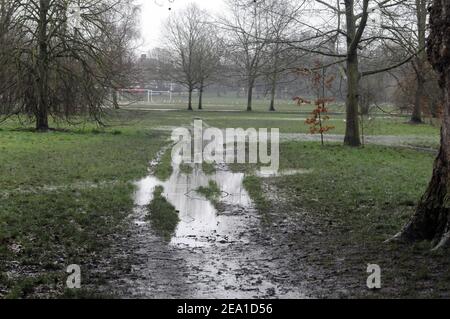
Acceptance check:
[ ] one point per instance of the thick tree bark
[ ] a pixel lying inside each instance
(432, 218)
(352, 133)
(352, 137)
(41, 113)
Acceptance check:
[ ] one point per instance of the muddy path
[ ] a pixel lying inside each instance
(219, 250)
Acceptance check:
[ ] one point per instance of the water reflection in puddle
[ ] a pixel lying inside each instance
(290, 172)
(200, 225)
(214, 253)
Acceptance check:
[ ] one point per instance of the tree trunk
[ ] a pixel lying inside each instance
(190, 100)
(200, 97)
(251, 84)
(115, 95)
(273, 93)
(43, 66)
(352, 137)
(416, 117)
(432, 218)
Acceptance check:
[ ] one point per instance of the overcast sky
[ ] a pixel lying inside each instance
(154, 12)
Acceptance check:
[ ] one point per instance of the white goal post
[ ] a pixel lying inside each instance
(145, 95)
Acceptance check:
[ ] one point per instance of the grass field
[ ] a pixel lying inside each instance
(290, 118)
(65, 194)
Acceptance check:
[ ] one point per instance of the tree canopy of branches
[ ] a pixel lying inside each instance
(345, 33)
(62, 56)
(193, 49)
(247, 34)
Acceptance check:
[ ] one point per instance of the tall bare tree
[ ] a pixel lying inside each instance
(247, 39)
(184, 33)
(280, 19)
(208, 54)
(408, 27)
(356, 15)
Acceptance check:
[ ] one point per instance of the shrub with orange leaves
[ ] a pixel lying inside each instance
(319, 115)
(317, 121)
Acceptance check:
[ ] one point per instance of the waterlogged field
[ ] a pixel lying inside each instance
(66, 198)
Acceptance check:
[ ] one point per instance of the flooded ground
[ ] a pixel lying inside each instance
(219, 249)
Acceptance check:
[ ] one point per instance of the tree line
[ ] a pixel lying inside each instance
(61, 59)
(266, 40)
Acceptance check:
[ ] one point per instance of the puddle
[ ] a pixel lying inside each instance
(200, 224)
(219, 250)
(290, 172)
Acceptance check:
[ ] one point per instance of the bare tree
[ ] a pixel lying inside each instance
(408, 27)
(280, 19)
(420, 61)
(61, 65)
(208, 54)
(247, 35)
(123, 34)
(10, 37)
(184, 40)
(317, 38)
(432, 218)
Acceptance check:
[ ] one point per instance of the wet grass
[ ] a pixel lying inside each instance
(253, 185)
(64, 198)
(208, 169)
(164, 169)
(354, 200)
(375, 187)
(186, 169)
(212, 192)
(65, 194)
(163, 216)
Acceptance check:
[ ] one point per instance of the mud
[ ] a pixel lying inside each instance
(219, 250)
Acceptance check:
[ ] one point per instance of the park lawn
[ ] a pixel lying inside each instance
(375, 185)
(292, 121)
(65, 196)
(352, 201)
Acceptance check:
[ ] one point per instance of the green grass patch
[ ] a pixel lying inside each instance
(64, 196)
(164, 169)
(372, 189)
(162, 215)
(212, 192)
(208, 169)
(253, 185)
(58, 229)
(186, 169)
